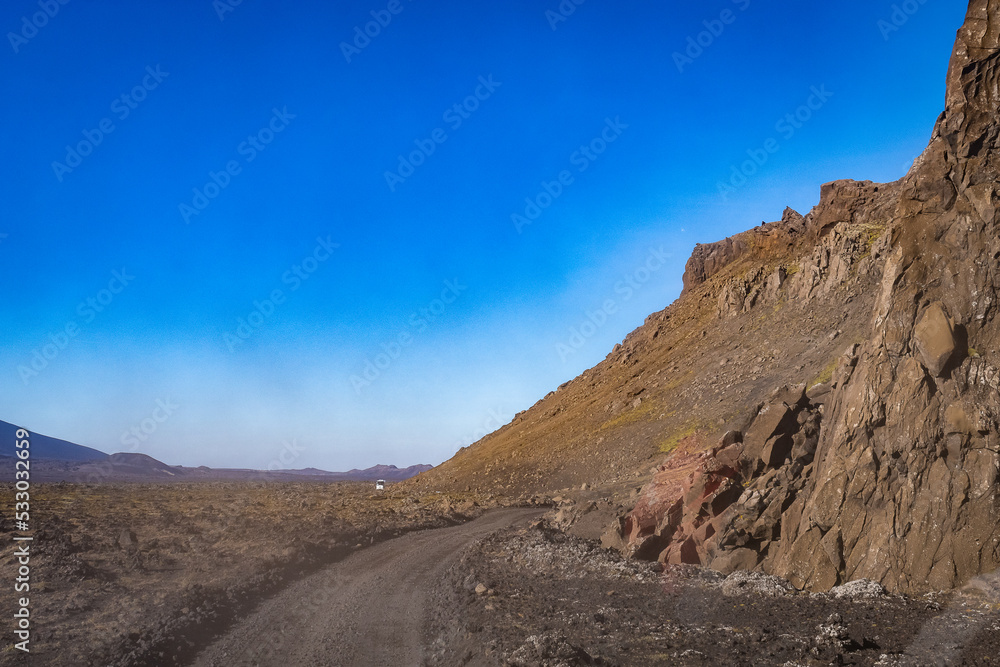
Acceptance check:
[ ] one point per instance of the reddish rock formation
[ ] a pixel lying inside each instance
(674, 520)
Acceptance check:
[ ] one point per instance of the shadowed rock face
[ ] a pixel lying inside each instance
(894, 477)
(905, 486)
(907, 480)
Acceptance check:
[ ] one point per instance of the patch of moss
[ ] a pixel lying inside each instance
(974, 353)
(825, 375)
(672, 442)
(629, 416)
(869, 234)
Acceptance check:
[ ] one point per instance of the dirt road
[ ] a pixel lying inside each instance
(366, 610)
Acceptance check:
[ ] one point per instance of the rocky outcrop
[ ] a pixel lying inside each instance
(708, 259)
(846, 250)
(769, 239)
(689, 524)
(890, 471)
(726, 505)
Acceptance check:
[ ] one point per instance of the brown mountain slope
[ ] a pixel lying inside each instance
(826, 387)
(696, 369)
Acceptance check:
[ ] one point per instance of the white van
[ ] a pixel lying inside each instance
(380, 485)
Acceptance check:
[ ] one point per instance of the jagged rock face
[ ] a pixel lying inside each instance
(905, 486)
(890, 471)
(696, 490)
(708, 259)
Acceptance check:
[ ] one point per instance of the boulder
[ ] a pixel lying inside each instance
(776, 450)
(735, 560)
(686, 498)
(934, 336)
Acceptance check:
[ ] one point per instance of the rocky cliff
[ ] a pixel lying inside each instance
(823, 401)
(903, 487)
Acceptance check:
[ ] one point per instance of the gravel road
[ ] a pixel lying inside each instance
(368, 609)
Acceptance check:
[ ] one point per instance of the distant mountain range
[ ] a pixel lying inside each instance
(388, 473)
(44, 447)
(58, 460)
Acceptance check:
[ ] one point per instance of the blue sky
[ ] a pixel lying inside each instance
(264, 219)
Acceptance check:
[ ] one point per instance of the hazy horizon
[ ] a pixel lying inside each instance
(173, 170)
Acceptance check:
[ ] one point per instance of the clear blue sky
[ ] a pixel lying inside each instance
(302, 140)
